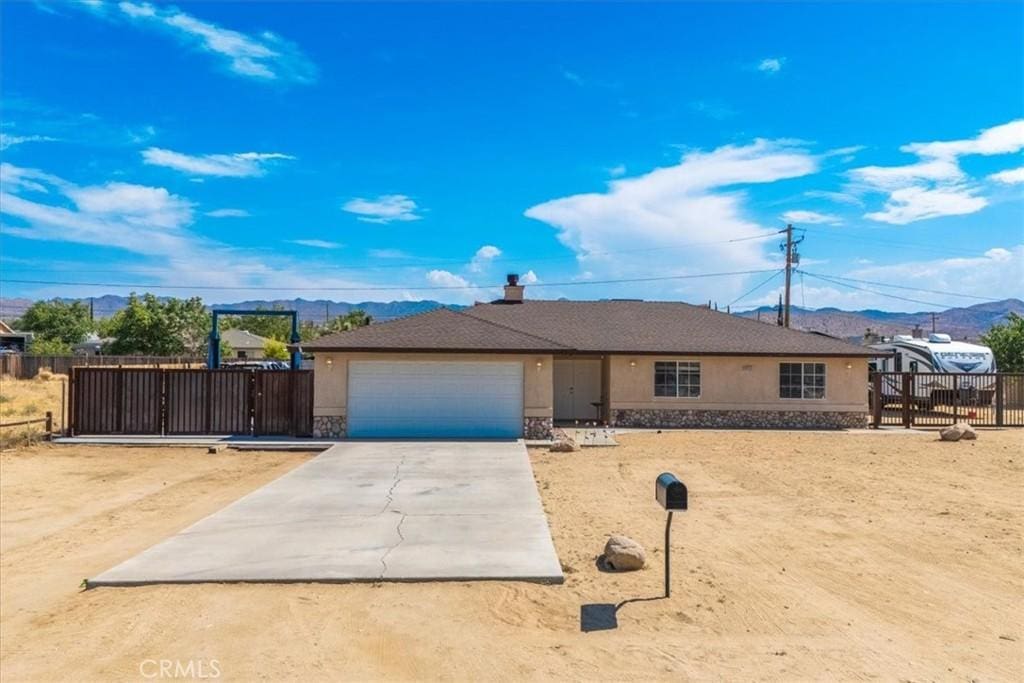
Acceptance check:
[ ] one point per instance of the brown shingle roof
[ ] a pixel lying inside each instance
(439, 330)
(658, 327)
(588, 327)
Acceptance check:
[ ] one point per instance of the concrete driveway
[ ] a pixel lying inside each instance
(370, 511)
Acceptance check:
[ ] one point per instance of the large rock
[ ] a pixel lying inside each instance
(563, 445)
(960, 430)
(624, 554)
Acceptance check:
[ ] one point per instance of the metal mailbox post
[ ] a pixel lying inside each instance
(672, 495)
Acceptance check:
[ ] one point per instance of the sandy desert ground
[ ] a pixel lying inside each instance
(804, 556)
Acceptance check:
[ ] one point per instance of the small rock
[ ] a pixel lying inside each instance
(969, 433)
(565, 445)
(624, 554)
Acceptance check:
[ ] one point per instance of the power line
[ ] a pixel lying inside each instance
(912, 289)
(743, 296)
(875, 291)
(574, 283)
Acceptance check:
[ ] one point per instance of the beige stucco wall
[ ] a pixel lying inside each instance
(330, 379)
(738, 383)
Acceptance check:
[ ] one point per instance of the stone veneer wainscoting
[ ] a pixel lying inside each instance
(740, 419)
(538, 427)
(329, 427)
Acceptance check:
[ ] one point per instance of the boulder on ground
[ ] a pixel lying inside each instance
(563, 445)
(622, 553)
(955, 432)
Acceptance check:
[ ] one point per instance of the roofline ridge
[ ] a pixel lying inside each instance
(509, 327)
(381, 323)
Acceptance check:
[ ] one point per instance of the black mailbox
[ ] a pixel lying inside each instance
(670, 492)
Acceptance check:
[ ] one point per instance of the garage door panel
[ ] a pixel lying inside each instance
(435, 398)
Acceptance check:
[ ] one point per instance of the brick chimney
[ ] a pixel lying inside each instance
(513, 290)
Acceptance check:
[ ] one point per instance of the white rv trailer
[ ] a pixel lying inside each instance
(974, 365)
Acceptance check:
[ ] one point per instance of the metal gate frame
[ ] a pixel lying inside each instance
(984, 400)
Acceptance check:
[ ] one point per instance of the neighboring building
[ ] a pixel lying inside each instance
(516, 368)
(244, 344)
(13, 341)
(92, 345)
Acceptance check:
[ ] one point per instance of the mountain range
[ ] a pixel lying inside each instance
(968, 322)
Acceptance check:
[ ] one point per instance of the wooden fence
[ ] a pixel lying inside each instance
(935, 399)
(182, 402)
(27, 366)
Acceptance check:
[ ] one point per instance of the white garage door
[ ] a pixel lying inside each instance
(435, 399)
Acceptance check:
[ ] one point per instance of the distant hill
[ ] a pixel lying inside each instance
(317, 310)
(969, 322)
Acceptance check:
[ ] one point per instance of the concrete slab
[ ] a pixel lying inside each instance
(370, 511)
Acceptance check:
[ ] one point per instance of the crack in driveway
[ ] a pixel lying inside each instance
(398, 528)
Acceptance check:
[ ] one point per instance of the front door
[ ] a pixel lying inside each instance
(577, 388)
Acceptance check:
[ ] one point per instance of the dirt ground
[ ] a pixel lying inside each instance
(804, 556)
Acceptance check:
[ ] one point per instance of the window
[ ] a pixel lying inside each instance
(801, 380)
(677, 379)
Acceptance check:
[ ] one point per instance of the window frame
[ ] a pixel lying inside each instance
(676, 363)
(803, 384)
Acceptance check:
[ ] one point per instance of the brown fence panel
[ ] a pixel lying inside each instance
(27, 366)
(140, 401)
(939, 399)
(178, 402)
(185, 401)
(230, 405)
(284, 402)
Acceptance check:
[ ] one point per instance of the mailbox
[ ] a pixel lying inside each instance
(670, 492)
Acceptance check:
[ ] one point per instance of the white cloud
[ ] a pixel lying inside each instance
(317, 244)
(838, 197)
(238, 165)
(800, 216)
(228, 213)
(998, 273)
(935, 185)
(650, 223)
(444, 278)
(771, 65)
(1012, 176)
(483, 257)
(572, 77)
(383, 209)
(7, 140)
(529, 278)
(916, 203)
(262, 56)
(617, 171)
(388, 253)
(154, 227)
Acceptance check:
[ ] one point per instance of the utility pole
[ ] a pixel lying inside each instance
(91, 316)
(327, 312)
(792, 259)
(933, 323)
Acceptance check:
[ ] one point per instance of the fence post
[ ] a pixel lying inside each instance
(73, 382)
(1000, 404)
(876, 408)
(908, 396)
(49, 423)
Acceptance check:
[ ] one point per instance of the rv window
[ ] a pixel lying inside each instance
(899, 362)
(913, 366)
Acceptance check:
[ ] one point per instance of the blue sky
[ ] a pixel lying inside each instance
(407, 151)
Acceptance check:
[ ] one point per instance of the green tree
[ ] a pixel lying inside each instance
(1007, 343)
(57, 321)
(277, 327)
(150, 326)
(49, 347)
(350, 321)
(275, 350)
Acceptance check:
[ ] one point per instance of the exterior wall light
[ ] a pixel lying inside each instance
(849, 366)
(330, 361)
(540, 364)
(632, 363)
